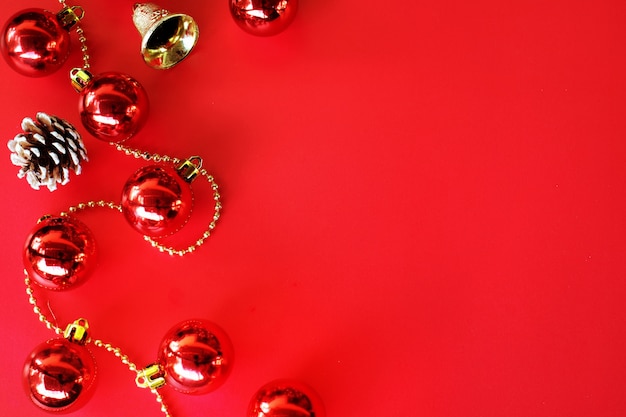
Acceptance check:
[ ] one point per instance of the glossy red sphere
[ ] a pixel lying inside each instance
(59, 253)
(156, 201)
(197, 357)
(263, 17)
(113, 106)
(58, 373)
(285, 398)
(34, 43)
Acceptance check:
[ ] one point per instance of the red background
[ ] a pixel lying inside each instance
(423, 208)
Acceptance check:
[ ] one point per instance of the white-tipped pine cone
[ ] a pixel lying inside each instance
(46, 151)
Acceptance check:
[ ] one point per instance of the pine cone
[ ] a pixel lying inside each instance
(47, 150)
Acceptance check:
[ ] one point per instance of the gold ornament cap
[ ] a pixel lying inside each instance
(70, 16)
(79, 78)
(77, 332)
(190, 168)
(152, 377)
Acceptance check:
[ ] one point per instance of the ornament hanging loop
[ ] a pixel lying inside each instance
(70, 16)
(190, 168)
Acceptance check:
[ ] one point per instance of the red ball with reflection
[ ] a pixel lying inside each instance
(59, 253)
(34, 43)
(285, 398)
(58, 373)
(113, 106)
(197, 357)
(156, 201)
(263, 17)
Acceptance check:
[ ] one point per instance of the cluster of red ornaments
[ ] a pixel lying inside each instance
(194, 356)
(157, 201)
(113, 106)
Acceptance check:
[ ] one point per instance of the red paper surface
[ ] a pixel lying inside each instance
(423, 209)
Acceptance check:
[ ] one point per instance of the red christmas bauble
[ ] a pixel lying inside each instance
(196, 355)
(58, 373)
(285, 398)
(156, 201)
(59, 253)
(263, 17)
(34, 43)
(113, 106)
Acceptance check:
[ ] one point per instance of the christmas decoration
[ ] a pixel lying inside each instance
(112, 106)
(36, 42)
(58, 373)
(47, 150)
(157, 201)
(167, 38)
(263, 17)
(196, 357)
(285, 398)
(59, 252)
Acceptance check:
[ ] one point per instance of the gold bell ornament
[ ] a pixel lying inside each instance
(167, 38)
